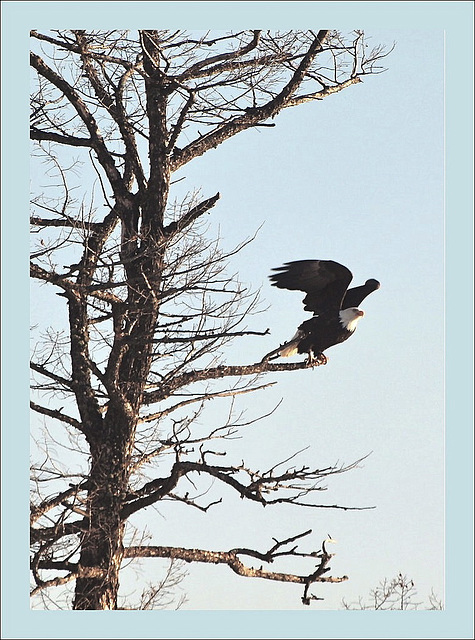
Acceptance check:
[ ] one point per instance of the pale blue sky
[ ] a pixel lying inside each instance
(358, 178)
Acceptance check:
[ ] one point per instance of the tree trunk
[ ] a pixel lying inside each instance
(102, 548)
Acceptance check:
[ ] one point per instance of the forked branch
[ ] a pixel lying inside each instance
(234, 562)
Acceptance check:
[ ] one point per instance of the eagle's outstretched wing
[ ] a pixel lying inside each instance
(354, 297)
(324, 281)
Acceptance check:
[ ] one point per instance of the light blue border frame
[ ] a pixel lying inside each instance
(457, 619)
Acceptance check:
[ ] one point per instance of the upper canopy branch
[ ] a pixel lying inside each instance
(196, 69)
(70, 45)
(51, 136)
(97, 142)
(323, 93)
(65, 221)
(189, 217)
(56, 414)
(255, 115)
(115, 106)
(40, 368)
(70, 287)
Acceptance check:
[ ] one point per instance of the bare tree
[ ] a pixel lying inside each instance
(150, 304)
(395, 594)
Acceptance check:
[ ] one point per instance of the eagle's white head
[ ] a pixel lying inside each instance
(349, 318)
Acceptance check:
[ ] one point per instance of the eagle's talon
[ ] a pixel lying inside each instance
(313, 360)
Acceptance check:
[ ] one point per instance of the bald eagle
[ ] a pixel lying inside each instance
(334, 306)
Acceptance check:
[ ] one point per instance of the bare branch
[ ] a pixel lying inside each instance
(36, 511)
(232, 560)
(297, 482)
(191, 215)
(57, 414)
(190, 377)
(51, 136)
(254, 115)
(203, 397)
(97, 141)
(207, 62)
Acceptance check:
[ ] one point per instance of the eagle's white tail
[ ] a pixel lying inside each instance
(285, 350)
(289, 349)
